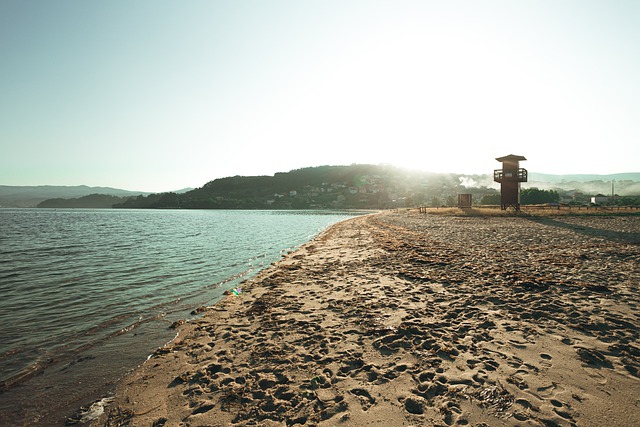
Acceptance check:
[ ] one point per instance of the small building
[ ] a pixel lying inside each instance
(464, 200)
(599, 198)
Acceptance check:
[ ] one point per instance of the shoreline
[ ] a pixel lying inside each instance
(400, 318)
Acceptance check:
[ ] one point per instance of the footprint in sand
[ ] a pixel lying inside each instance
(546, 358)
(365, 398)
(526, 404)
(518, 344)
(561, 409)
(518, 382)
(205, 407)
(550, 390)
(451, 413)
(596, 376)
(593, 358)
(491, 365)
(414, 406)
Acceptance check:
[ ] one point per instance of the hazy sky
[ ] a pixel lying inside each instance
(160, 95)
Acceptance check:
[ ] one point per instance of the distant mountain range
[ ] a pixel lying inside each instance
(543, 177)
(627, 184)
(31, 196)
(324, 186)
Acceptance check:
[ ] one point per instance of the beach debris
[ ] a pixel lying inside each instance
(161, 351)
(160, 422)
(199, 310)
(119, 417)
(90, 413)
(177, 323)
(261, 305)
(494, 397)
(234, 291)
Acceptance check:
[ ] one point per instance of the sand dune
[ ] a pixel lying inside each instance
(401, 319)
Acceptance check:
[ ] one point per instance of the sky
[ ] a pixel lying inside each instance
(154, 95)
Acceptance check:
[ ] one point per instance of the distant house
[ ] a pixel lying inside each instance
(599, 198)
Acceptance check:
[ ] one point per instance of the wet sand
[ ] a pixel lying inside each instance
(406, 319)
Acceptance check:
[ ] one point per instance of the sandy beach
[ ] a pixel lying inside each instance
(408, 319)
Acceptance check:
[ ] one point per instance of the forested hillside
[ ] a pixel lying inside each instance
(12, 196)
(343, 187)
(93, 201)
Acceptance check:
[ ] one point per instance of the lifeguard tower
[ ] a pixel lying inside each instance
(510, 177)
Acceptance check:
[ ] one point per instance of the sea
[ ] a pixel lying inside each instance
(87, 295)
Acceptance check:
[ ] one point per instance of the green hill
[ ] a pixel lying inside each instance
(31, 196)
(92, 201)
(324, 187)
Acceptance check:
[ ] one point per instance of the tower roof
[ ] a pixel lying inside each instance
(512, 157)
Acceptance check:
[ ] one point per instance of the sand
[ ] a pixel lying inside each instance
(406, 319)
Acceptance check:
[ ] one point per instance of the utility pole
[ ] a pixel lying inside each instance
(613, 194)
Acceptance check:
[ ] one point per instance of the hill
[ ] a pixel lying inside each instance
(57, 196)
(31, 196)
(627, 184)
(92, 201)
(550, 178)
(324, 187)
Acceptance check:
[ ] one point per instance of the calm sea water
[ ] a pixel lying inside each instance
(87, 294)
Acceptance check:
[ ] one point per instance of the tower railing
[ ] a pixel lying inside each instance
(515, 175)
